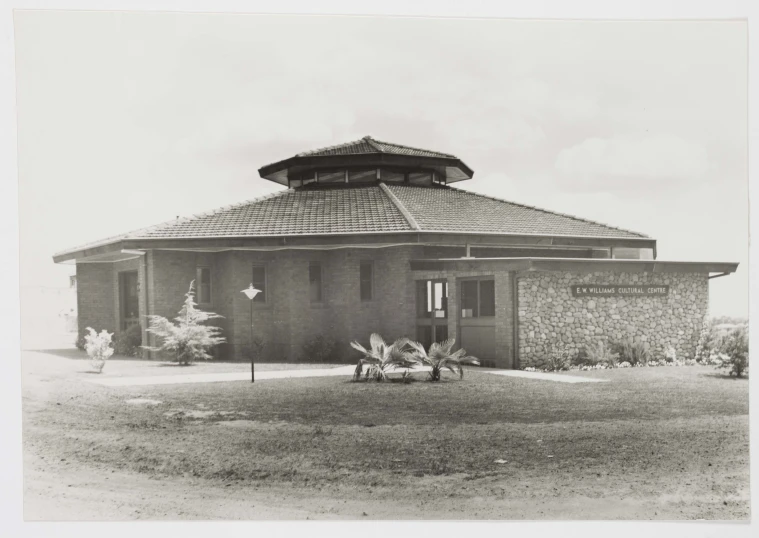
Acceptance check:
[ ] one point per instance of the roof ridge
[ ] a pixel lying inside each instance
(399, 206)
(574, 217)
(334, 146)
(209, 213)
(412, 148)
(373, 143)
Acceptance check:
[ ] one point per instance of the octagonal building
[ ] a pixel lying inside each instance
(371, 236)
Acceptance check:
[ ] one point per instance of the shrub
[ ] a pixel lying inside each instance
(595, 354)
(186, 340)
(380, 358)
(670, 354)
(80, 342)
(128, 343)
(632, 351)
(98, 347)
(441, 357)
(558, 358)
(319, 349)
(735, 348)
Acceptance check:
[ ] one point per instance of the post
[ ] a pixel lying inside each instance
(252, 355)
(250, 293)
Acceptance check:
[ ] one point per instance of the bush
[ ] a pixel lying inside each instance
(187, 340)
(80, 342)
(557, 359)
(129, 342)
(596, 354)
(319, 349)
(632, 351)
(735, 348)
(98, 347)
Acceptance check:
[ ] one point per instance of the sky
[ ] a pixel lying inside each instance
(130, 119)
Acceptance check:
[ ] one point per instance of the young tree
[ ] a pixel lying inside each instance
(187, 340)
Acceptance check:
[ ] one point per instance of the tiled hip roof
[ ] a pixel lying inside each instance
(455, 210)
(367, 209)
(313, 212)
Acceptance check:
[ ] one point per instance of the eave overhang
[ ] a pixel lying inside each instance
(571, 264)
(101, 251)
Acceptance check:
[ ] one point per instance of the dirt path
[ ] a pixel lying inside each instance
(67, 491)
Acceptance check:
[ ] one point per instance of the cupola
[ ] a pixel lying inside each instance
(367, 161)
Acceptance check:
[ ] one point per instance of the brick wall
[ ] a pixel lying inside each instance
(95, 297)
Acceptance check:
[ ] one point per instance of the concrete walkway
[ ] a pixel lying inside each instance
(317, 372)
(543, 376)
(213, 378)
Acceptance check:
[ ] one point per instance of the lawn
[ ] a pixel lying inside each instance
(661, 442)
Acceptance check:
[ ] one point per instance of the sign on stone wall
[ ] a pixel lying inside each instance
(624, 290)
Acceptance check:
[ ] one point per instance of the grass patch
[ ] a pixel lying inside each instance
(647, 432)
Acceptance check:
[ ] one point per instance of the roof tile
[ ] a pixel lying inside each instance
(455, 210)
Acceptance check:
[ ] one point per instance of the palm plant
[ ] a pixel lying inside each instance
(440, 357)
(380, 358)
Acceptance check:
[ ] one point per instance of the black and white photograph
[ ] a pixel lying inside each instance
(289, 267)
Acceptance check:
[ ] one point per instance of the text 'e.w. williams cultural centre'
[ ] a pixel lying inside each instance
(370, 236)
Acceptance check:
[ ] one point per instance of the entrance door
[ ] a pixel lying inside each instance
(477, 318)
(431, 311)
(129, 300)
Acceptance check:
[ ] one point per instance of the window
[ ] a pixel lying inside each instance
(392, 176)
(362, 176)
(366, 278)
(203, 285)
(432, 299)
(625, 253)
(315, 282)
(477, 298)
(420, 178)
(259, 282)
(331, 176)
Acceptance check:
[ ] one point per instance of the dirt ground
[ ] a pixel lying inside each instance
(61, 482)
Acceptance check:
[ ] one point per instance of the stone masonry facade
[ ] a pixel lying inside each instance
(548, 313)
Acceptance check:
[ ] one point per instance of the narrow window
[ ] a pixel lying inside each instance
(366, 277)
(469, 307)
(203, 285)
(487, 298)
(259, 282)
(315, 282)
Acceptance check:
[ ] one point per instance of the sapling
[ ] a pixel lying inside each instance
(186, 339)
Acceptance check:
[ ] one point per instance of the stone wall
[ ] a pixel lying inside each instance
(549, 313)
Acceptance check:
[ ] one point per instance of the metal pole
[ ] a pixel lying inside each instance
(252, 363)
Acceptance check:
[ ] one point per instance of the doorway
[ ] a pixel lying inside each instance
(477, 318)
(431, 311)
